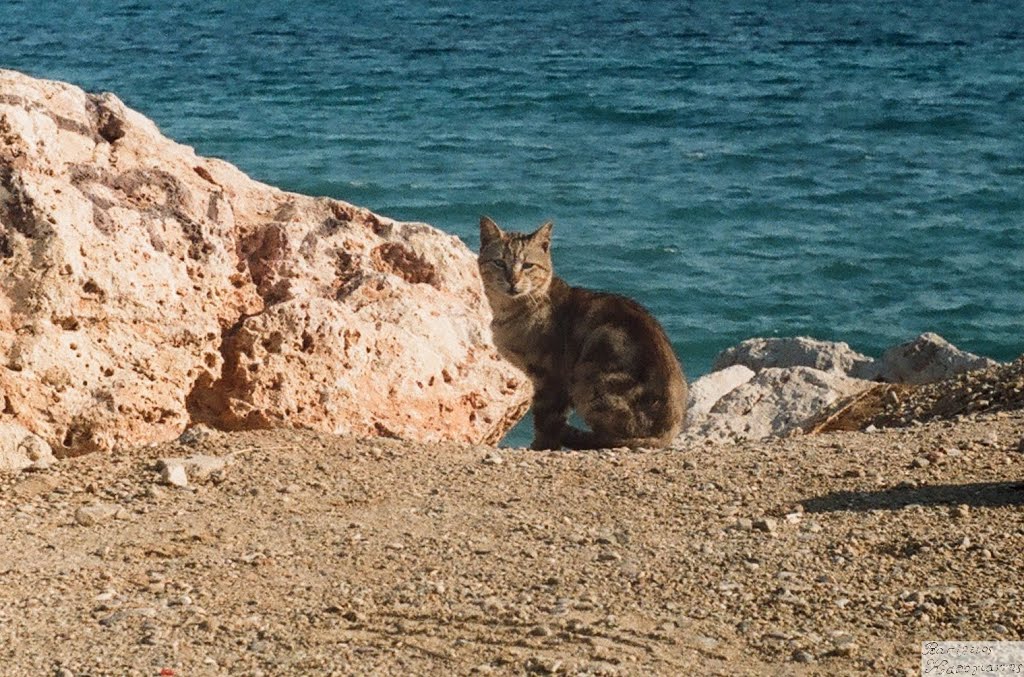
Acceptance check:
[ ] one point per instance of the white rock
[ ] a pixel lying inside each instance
(708, 389)
(198, 467)
(89, 515)
(926, 359)
(775, 402)
(800, 351)
(20, 449)
(174, 474)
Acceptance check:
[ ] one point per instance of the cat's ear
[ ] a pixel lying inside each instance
(489, 230)
(542, 235)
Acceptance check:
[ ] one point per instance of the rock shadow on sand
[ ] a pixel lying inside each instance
(975, 494)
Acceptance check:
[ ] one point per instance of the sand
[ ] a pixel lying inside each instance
(309, 554)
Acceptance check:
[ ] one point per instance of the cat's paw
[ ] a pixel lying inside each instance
(545, 444)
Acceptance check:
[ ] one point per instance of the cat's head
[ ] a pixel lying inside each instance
(515, 264)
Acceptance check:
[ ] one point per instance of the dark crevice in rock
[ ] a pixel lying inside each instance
(348, 274)
(341, 216)
(266, 253)
(19, 210)
(108, 115)
(208, 401)
(397, 259)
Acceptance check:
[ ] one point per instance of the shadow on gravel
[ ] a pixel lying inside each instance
(976, 495)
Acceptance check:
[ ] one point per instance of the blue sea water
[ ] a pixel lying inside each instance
(845, 170)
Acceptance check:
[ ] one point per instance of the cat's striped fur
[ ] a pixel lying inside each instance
(601, 354)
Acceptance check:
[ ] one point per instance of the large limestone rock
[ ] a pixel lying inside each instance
(799, 351)
(926, 359)
(144, 288)
(776, 401)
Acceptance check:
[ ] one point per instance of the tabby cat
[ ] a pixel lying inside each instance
(601, 354)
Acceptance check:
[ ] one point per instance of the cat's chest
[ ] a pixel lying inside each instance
(528, 342)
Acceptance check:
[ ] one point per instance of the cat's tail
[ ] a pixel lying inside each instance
(574, 438)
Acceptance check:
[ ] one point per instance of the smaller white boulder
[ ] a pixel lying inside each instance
(926, 359)
(799, 351)
(775, 402)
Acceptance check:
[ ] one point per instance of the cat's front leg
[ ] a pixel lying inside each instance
(550, 412)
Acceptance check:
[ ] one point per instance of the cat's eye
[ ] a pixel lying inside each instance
(527, 265)
(498, 263)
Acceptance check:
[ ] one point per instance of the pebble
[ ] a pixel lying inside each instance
(744, 523)
(543, 666)
(493, 459)
(803, 657)
(705, 641)
(920, 462)
(89, 515)
(766, 524)
(174, 475)
(198, 468)
(195, 434)
(787, 597)
(844, 648)
(540, 631)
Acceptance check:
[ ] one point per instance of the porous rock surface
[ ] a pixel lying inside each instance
(144, 288)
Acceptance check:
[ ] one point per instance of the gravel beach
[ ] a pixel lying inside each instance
(309, 554)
